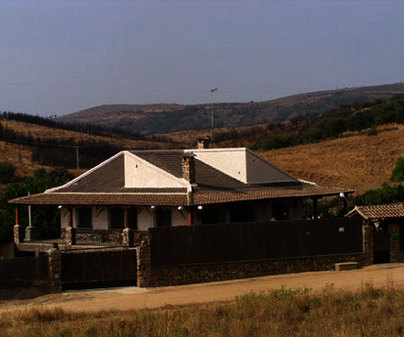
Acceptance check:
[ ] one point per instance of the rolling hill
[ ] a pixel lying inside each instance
(355, 160)
(168, 118)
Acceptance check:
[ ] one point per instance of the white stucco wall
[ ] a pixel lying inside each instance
(179, 218)
(99, 218)
(145, 218)
(139, 173)
(64, 218)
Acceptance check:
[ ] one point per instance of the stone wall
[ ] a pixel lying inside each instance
(153, 276)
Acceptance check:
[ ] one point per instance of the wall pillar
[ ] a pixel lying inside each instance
(127, 232)
(70, 233)
(55, 270)
(17, 233)
(368, 243)
(143, 256)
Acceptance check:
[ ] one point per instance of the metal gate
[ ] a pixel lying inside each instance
(90, 269)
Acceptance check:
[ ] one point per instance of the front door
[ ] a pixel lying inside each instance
(382, 244)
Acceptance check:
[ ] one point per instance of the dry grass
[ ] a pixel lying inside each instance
(21, 155)
(282, 312)
(358, 161)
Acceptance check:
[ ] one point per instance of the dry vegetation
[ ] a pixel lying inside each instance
(357, 161)
(20, 155)
(283, 312)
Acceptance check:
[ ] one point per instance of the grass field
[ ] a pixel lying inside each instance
(283, 312)
(357, 161)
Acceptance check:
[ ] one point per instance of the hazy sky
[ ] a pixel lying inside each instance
(64, 56)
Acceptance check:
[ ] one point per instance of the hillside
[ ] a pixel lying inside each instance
(357, 161)
(168, 118)
(30, 153)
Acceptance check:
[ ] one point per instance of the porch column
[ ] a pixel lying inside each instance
(127, 235)
(16, 227)
(30, 230)
(189, 217)
(315, 208)
(70, 236)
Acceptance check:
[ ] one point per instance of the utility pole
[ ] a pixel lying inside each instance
(77, 158)
(212, 91)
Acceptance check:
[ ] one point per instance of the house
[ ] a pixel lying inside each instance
(387, 221)
(137, 190)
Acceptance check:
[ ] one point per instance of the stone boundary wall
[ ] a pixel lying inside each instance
(154, 276)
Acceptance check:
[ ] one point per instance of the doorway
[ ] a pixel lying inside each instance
(381, 244)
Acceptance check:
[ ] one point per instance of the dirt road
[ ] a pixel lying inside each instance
(136, 298)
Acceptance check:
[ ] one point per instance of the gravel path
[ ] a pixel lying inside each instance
(137, 298)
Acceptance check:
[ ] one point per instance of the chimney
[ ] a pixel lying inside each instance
(203, 142)
(188, 167)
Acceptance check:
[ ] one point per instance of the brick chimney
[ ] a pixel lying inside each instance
(188, 167)
(203, 142)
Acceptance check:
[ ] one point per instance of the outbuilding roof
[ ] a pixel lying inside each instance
(394, 210)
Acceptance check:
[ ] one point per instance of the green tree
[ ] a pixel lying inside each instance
(44, 218)
(6, 172)
(398, 171)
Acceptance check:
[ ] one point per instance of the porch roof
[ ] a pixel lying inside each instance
(200, 196)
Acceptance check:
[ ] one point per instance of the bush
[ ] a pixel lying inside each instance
(6, 171)
(398, 171)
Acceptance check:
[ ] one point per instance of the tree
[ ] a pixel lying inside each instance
(45, 218)
(398, 171)
(6, 171)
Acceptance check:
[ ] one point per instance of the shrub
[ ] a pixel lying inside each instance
(398, 171)
(6, 171)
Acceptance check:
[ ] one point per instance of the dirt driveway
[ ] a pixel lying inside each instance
(136, 298)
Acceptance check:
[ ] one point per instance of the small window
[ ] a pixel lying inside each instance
(241, 212)
(163, 217)
(84, 218)
(116, 218)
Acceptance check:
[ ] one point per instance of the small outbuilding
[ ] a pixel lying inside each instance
(388, 227)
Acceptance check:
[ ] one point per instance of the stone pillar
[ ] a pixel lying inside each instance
(395, 252)
(70, 235)
(55, 270)
(70, 232)
(16, 228)
(143, 256)
(127, 232)
(127, 237)
(30, 234)
(368, 243)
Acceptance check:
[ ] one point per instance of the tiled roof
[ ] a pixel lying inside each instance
(395, 210)
(200, 196)
(104, 185)
(122, 199)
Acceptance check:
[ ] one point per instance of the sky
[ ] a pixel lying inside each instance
(58, 57)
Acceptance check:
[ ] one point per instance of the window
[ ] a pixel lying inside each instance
(241, 212)
(116, 218)
(84, 217)
(163, 217)
(212, 214)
